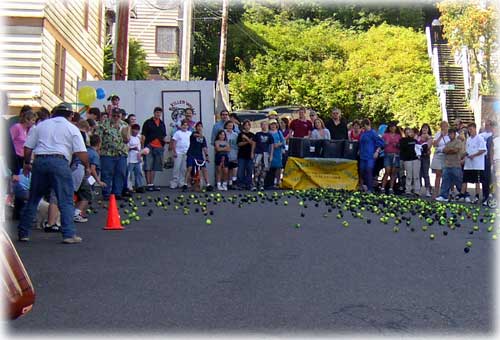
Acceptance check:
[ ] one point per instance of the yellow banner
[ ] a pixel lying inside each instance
(307, 173)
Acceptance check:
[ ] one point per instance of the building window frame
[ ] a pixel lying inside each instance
(59, 70)
(175, 51)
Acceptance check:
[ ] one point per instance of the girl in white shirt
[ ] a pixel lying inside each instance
(439, 142)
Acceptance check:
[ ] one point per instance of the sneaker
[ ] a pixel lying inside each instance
(390, 191)
(150, 188)
(467, 199)
(210, 188)
(428, 193)
(485, 203)
(23, 239)
(224, 186)
(72, 240)
(80, 219)
(441, 199)
(461, 198)
(220, 187)
(475, 199)
(126, 194)
(51, 228)
(261, 188)
(254, 189)
(184, 188)
(140, 190)
(156, 188)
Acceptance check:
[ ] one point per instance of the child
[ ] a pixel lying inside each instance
(222, 149)
(276, 151)
(197, 153)
(180, 146)
(232, 137)
(134, 158)
(95, 163)
(409, 154)
(261, 151)
(115, 104)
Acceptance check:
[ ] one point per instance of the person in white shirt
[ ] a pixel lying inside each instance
(439, 142)
(134, 159)
(180, 146)
(473, 163)
(53, 143)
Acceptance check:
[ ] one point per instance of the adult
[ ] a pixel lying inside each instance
(114, 152)
(42, 115)
(53, 143)
(245, 158)
(301, 127)
(439, 142)
(320, 132)
(337, 125)
(18, 134)
(312, 116)
(370, 146)
(391, 156)
(188, 117)
(131, 119)
(154, 137)
(485, 184)
(219, 125)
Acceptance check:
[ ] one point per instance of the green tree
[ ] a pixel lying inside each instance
(138, 68)
(470, 25)
(381, 74)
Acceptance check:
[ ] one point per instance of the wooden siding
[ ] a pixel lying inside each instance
(20, 60)
(143, 28)
(67, 20)
(22, 8)
(72, 75)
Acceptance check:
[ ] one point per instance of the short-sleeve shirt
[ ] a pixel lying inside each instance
(134, 144)
(245, 151)
(391, 142)
(18, 134)
(112, 143)
(55, 136)
(232, 138)
(196, 145)
(263, 142)
(472, 146)
(182, 140)
(94, 159)
(300, 128)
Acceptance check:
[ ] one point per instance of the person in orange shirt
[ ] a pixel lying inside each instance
(154, 137)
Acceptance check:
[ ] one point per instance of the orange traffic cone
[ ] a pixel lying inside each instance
(113, 222)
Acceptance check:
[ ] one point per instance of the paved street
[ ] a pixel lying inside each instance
(254, 270)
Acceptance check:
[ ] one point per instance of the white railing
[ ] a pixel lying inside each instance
(462, 58)
(429, 41)
(433, 56)
(440, 91)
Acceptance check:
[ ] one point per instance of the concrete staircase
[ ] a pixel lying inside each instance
(450, 73)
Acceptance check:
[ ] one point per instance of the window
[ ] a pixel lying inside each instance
(59, 70)
(166, 40)
(86, 14)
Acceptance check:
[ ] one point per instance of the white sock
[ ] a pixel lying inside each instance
(234, 178)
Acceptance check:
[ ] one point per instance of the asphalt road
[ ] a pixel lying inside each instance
(252, 271)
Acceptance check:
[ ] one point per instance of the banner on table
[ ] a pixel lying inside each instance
(334, 173)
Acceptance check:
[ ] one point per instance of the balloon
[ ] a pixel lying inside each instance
(382, 128)
(100, 93)
(87, 95)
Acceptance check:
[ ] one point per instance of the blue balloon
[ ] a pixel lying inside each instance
(381, 129)
(100, 93)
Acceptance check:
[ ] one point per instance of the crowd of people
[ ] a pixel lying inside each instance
(71, 156)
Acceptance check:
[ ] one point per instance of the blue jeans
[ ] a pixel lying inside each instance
(113, 173)
(450, 177)
(135, 170)
(245, 167)
(50, 173)
(366, 170)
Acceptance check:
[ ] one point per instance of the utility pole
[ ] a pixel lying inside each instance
(120, 52)
(187, 14)
(223, 42)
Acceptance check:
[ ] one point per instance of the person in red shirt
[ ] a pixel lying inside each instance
(391, 139)
(301, 127)
(355, 132)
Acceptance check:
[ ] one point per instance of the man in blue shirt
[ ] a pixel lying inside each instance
(370, 146)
